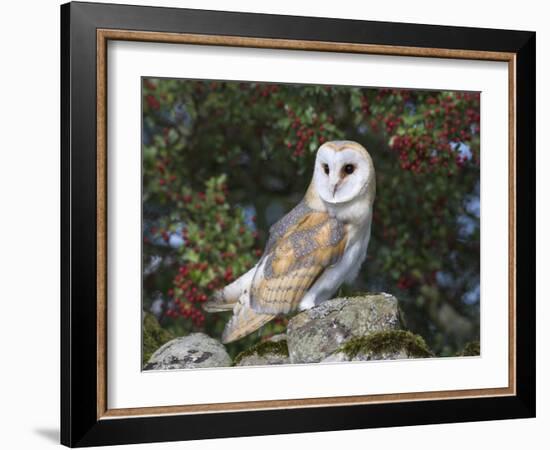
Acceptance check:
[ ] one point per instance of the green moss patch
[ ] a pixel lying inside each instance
(154, 336)
(387, 342)
(262, 349)
(470, 349)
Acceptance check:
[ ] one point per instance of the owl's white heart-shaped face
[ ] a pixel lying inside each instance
(342, 171)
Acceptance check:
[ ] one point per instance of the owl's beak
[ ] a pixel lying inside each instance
(336, 186)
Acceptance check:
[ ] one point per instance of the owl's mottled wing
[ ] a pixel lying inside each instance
(294, 260)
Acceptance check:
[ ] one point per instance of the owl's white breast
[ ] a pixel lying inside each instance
(354, 257)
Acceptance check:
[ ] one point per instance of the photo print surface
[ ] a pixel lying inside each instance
(292, 224)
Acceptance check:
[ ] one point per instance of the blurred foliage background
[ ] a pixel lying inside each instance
(222, 161)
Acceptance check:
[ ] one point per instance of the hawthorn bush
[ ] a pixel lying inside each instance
(222, 161)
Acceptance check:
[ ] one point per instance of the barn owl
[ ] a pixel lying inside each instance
(312, 250)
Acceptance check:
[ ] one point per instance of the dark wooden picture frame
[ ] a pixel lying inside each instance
(85, 417)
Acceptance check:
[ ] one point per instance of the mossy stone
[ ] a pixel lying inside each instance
(470, 349)
(315, 334)
(264, 353)
(390, 344)
(154, 336)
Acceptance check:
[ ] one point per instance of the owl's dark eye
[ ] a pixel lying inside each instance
(348, 169)
(326, 169)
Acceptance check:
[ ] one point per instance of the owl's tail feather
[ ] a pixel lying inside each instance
(226, 298)
(243, 322)
(219, 302)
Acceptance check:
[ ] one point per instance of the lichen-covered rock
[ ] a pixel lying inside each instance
(197, 350)
(394, 344)
(264, 353)
(153, 336)
(315, 334)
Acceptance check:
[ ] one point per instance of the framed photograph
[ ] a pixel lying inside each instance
(277, 224)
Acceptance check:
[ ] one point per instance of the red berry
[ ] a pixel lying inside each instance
(152, 102)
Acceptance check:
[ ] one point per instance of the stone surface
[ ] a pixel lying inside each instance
(197, 350)
(315, 334)
(369, 356)
(264, 353)
(277, 337)
(393, 344)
